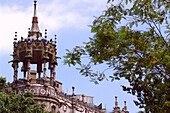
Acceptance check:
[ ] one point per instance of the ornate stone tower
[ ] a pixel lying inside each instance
(39, 51)
(34, 50)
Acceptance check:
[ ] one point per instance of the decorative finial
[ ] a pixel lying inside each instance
(125, 106)
(116, 103)
(22, 38)
(51, 40)
(73, 89)
(45, 33)
(35, 1)
(15, 36)
(55, 39)
(28, 32)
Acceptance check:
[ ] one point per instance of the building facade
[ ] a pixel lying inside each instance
(37, 50)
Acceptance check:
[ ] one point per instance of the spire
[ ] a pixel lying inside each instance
(116, 103)
(125, 106)
(35, 1)
(35, 31)
(116, 108)
(73, 91)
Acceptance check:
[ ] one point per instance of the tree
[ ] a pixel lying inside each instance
(18, 103)
(132, 39)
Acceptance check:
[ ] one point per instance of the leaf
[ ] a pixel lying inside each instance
(139, 53)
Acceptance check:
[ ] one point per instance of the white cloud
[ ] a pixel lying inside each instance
(53, 15)
(12, 20)
(71, 13)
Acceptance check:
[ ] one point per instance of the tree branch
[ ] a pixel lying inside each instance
(159, 31)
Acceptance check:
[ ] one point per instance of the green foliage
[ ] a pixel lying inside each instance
(132, 38)
(18, 103)
(2, 84)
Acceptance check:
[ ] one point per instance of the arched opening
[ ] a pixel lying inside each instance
(53, 109)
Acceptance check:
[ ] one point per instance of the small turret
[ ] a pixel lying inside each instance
(34, 50)
(125, 108)
(116, 109)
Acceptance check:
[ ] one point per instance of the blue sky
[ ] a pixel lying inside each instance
(69, 20)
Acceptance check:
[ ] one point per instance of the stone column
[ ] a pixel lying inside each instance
(54, 73)
(28, 71)
(39, 69)
(51, 73)
(24, 74)
(44, 68)
(15, 70)
(39, 74)
(24, 68)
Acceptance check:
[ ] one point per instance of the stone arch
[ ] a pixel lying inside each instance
(54, 108)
